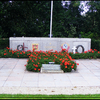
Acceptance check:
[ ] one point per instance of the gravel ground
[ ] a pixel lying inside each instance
(50, 91)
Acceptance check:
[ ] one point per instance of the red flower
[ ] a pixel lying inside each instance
(35, 59)
(85, 51)
(5, 53)
(33, 64)
(63, 49)
(39, 57)
(39, 69)
(77, 63)
(62, 61)
(65, 66)
(72, 66)
(95, 49)
(7, 48)
(66, 59)
(34, 68)
(36, 65)
(69, 63)
(23, 52)
(56, 51)
(56, 57)
(65, 63)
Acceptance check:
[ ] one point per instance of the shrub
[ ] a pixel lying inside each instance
(95, 44)
(4, 42)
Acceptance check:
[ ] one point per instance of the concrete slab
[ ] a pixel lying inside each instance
(46, 84)
(2, 82)
(29, 84)
(12, 83)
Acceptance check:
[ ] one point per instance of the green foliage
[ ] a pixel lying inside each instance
(32, 19)
(95, 44)
(73, 31)
(4, 42)
(89, 35)
(8, 53)
(86, 55)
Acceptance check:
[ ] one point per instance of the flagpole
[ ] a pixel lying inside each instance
(51, 18)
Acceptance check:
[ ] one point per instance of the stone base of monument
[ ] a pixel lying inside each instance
(51, 68)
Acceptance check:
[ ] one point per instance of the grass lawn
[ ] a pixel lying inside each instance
(29, 96)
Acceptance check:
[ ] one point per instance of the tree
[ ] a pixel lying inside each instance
(73, 18)
(92, 20)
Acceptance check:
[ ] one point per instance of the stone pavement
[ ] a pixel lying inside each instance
(14, 79)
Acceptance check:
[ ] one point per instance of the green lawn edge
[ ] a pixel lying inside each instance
(40, 96)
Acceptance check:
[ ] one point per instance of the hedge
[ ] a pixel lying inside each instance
(95, 44)
(4, 42)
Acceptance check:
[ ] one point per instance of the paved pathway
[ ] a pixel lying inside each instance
(14, 78)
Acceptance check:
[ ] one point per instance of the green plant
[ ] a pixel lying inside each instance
(95, 44)
(73, 31)
(4, 42)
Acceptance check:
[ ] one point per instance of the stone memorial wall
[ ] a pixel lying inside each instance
(45, 44)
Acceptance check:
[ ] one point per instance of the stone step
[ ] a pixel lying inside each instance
(51, 68)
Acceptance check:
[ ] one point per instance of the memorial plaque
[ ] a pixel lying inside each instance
(54, 68)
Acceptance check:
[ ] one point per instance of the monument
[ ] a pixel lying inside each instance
(45, 44)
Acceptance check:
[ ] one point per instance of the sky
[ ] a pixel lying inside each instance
(85, 7)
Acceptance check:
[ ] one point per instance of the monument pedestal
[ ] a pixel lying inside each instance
(51, 68)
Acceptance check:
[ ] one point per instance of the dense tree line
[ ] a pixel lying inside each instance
(32, 19)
